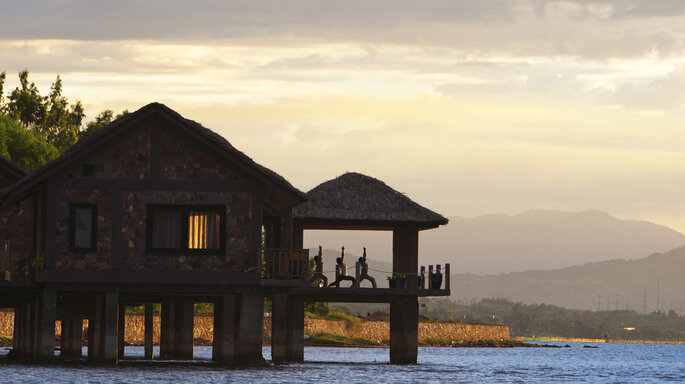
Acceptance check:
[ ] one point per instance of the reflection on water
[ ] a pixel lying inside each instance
(609, 363)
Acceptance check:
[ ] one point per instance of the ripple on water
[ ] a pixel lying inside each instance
(609, 363)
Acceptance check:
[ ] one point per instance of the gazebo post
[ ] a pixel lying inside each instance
(298, 235)
(404, 314)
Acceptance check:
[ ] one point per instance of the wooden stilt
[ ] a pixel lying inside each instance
(149, 328)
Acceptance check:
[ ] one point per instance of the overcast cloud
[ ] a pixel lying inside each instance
(470, 107)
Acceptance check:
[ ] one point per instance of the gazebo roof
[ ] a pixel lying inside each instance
(356, 201)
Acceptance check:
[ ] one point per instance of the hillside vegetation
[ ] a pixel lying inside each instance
(540, 320)
(591, 286)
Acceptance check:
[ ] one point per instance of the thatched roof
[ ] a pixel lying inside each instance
(119, 126)
(354, 200)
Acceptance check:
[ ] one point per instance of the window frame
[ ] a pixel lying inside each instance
(185, 209)
(72, 228)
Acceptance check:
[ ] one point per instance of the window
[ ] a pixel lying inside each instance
(83, 228)
(88, 170)
(186, 229)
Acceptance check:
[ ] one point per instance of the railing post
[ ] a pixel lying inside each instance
(337, 275)
(447, 276)
(430, 277)
(423, 277)
(305, 263)
(357, 273)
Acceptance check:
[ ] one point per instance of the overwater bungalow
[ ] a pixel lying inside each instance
(155, 208)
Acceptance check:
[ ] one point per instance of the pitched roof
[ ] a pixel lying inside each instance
(11, 171)
(119, 125)
(359, 201)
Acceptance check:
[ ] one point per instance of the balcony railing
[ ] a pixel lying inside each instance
(285, 264)
(434, 278)
(5, 263)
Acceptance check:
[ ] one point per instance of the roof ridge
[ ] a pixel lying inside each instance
(45, 170)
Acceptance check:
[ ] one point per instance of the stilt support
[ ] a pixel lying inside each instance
(149, 328)
(404, 324)
(287, 329)
(121, 332)
(250, 327)
(224, 347)
(103, 329)
(47, 305)
(71, 341)
(176, 339)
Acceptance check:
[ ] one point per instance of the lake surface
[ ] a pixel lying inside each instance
(608, 363)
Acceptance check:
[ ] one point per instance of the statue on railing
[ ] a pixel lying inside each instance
(341, 271)
(318, 270)
(364, 273)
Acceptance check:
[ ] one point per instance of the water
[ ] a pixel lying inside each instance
(609, 363)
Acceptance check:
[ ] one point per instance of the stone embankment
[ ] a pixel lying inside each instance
(378, 331)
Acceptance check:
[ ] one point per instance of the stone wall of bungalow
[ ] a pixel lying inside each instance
(180, 158)
(16, 233)
(238, 218)
(133, 231)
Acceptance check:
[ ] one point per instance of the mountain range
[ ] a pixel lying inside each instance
(585, 260)
(534, 239)
(605, 285)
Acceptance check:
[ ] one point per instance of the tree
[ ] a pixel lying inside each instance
(2, 88)
(35, 129)
(50, 118)
(21, 147)
(26, 105)
(105, 117)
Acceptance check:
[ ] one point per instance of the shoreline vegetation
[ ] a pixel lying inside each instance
(595, 341)
(325, 326)
(325, 339)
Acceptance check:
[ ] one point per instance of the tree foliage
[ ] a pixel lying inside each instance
(21, 147)
(105, 117)
(50, 118)
(550, 320)
(35, 128)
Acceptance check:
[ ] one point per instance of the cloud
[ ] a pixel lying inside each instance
(659, 94)
(214, 19)
(594, 30)
(617, 8)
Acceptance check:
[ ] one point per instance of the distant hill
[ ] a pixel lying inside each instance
(586, 286)
(535, 239)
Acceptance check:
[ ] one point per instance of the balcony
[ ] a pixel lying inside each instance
(431, 282)
(285, 265)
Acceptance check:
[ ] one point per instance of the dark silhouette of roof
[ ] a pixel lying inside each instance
(356, 200)
(10, 171)
(120, 125)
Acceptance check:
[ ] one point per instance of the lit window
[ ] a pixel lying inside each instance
(83, 227)
(186, 229)
(203, 230)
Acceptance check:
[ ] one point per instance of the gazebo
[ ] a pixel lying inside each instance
(355, 201)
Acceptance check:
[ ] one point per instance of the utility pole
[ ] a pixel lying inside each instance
(657, 294)
(644, 302)
(617, 301)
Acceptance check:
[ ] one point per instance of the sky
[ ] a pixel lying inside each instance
(469, 107)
